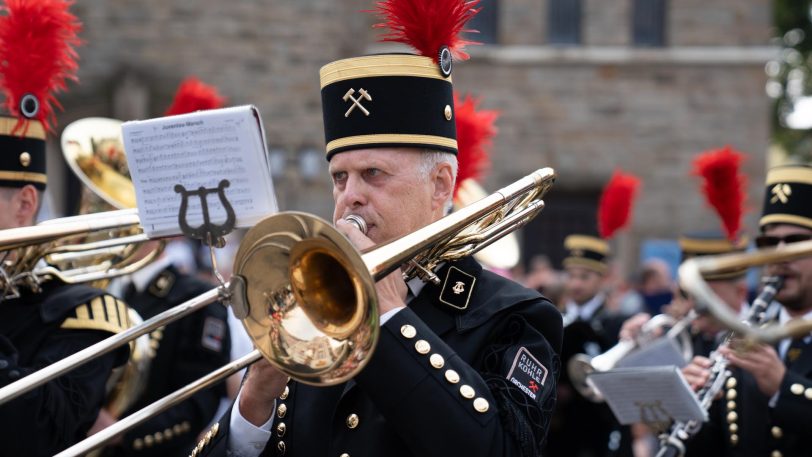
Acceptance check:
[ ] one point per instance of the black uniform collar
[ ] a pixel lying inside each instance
(442, 309)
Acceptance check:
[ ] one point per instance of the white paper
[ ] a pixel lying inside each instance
(199, 150)
(663, 351)
(650, 394)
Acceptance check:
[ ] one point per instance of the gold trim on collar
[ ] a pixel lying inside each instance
(591, 264)
(587, 242)
(360, 140)
(35, 128)
(711, 246)
(24, 176)
(780, 218)
(789, 174)
(381, 65)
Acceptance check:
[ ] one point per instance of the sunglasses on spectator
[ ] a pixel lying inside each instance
(767, 241)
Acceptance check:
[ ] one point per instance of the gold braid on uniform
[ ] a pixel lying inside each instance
(105, 313)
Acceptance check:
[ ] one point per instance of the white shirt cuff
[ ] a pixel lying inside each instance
(246, 439)
(774, 400)
(388, 315)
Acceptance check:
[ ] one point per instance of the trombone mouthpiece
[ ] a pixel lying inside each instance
(358, 222)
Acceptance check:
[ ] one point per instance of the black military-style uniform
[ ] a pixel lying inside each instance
(581, 427)
(743, 424)
(474, 381)
(183, 352)
(37, 330)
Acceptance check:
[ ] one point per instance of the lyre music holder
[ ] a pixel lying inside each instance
(209, 233)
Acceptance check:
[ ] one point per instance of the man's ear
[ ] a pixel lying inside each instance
(443, 180)
(25, 206)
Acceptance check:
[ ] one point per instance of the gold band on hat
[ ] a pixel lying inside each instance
(34, 129)
(380, 138)
(380, 65)
(789, 174)
(780, 218)
(711, 245)
(587, 242)
(590, 264)
(26, 176)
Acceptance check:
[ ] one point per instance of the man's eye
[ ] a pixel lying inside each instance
(373, 172)
(339, 176)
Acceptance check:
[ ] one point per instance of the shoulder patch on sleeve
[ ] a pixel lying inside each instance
(105, 313)
(214, 331)
(527, 373)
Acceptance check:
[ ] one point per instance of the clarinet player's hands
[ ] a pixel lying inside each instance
(697, 372)
(762, 362)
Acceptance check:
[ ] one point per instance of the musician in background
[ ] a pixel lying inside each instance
(581, 427)
(40, 328)
(466, 367)
(183, 351)
(766, 407)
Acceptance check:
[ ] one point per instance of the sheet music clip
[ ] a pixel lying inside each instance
(211, 234)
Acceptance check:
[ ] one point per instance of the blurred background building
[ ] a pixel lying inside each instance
(584, 86)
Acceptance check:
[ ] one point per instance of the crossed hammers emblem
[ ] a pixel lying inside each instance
(356, 101)
(781, 192)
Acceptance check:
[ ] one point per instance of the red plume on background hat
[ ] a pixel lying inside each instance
(615, 206)
(37, 57)
(475, 133)
(723, 185)
(194, 95)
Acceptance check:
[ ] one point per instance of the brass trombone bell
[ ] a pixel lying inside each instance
(691, 279)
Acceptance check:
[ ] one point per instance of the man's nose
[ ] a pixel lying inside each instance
(355, 192)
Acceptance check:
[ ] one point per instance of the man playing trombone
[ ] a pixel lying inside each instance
(766, 406)
(467, 366)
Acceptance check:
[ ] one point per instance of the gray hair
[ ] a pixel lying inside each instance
(430, 159)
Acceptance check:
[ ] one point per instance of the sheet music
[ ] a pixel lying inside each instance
(651, 394)
(663, 351)
(199, 150)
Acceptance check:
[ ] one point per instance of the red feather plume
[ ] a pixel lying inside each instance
(37, 55)
(615, 206)
(194, 95)
(428, 25)
(475, 133)
(723, 185)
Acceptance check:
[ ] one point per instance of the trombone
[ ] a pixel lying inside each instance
(307, 297)
(691, 271)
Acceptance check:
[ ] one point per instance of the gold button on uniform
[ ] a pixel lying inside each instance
(281, 411)
(280, 429)
(808, 393)
(408, 331)
(777, 432)
(731, 383)
(352, 421)
(734, 439)
(731, 394)
(447, 112)
(481, 405)
(797, 389)
(177, 429)
(776, 454)
(344, 455)
(285, 393)
(422, 347)
(734, 428)
(467, 391)
(158, 437)
(168, 434)
(452, 376)
(437, 361)
(732, 417)
(281, 447)
(25, 159)
(731, 404)
(149, 441)
(138, 444)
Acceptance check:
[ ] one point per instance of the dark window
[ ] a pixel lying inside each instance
(485, 22)
(648, 22)
(564, 22)
(565, 213)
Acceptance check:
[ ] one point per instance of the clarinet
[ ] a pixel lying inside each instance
(673, 444)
